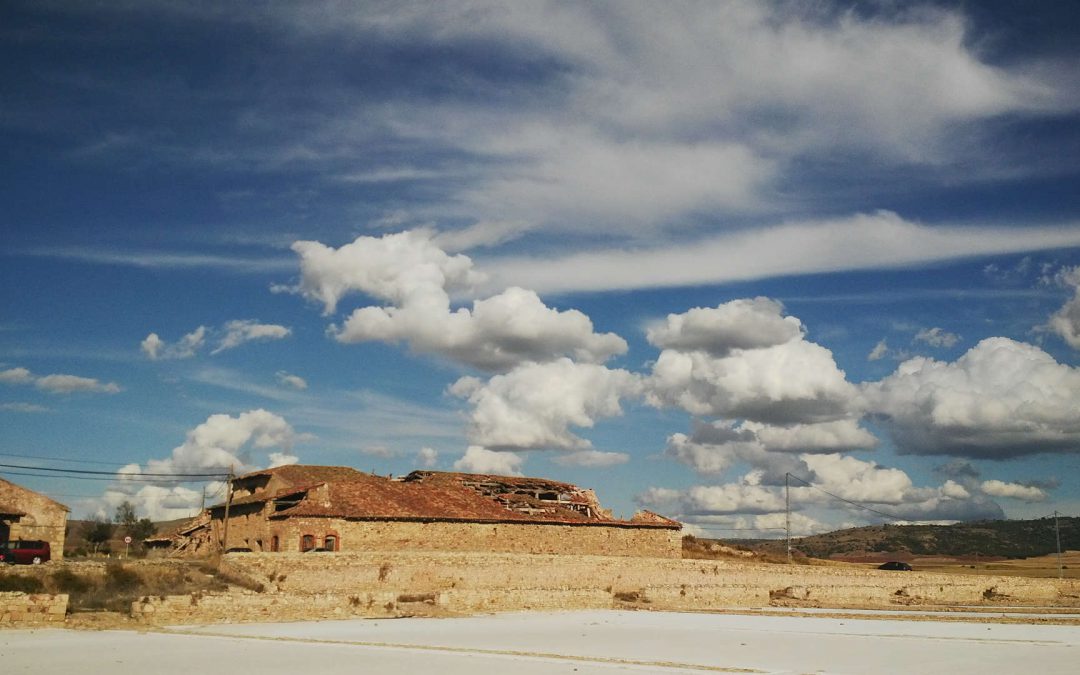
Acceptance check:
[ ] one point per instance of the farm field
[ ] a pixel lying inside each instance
(1042, 567)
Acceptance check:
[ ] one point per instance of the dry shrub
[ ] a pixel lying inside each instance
(18, 584)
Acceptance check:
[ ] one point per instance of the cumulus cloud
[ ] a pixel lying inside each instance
(233, 334)
(739, 324)
(1065, 323)
(294, 381)
(427, 457)
(222, 443)
(481, 460)
(186, 347)
(779, 383)
(592, 459)
(159, 503)
(16, 376)
(238, 332)
(409, 271)
(879, 351)
(771, 451)
(937, 337)
(838, 483)
(57, 383)
(534, 405)
(1000, 399)
(1027, 493)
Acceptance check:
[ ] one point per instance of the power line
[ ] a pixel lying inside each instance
(142, 474)
(113, 479)
(846, 501)
(64, 459)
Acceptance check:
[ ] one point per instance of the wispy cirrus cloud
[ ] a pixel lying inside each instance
(58, 383)
(866, 241)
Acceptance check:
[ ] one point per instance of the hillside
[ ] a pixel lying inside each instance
(989, 539)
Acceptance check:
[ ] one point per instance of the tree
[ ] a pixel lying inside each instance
(125, 514)
(142, 529)
(99, 532)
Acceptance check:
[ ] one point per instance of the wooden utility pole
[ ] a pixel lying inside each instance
(787, 513)
(228, 500)
(1057, 535)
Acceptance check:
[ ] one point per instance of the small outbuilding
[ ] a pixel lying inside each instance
(25, 514)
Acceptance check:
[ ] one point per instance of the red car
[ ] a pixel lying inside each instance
(25, 552)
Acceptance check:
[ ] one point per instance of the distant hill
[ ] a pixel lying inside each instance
(992, 538)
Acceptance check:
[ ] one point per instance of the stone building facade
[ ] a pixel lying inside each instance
(300, 508)
(25, 514)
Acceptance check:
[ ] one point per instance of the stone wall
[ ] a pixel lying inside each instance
(32, 609)
(249, 529)
(45, 519)
(328, 585)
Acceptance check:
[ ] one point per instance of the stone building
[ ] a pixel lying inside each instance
(301, 508)
(25, 514)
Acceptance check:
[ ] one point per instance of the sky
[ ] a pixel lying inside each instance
(683, 253)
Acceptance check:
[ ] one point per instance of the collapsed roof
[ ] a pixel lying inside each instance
(341, 492)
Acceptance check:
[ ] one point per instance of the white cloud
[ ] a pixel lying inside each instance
(875, 241)
(222, 443)
(937, 337)
(20, 407)
(739, 324)
(294, 381)
(835, 478)
(158, 503)
(238, 332)
(1000, 399)
(1027, 493)
(534, 405)
(1065, 323)
(67, 384)
(771, 451)
(186, 347)
(427, 457)
(16, 376)
(878, 352)
(416, 277)
(788, 383)
(57, 383)
(480, 460)
(592, 459)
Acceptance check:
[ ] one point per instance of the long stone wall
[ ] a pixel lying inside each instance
(252, 531)
(326, 585)
(19, 610)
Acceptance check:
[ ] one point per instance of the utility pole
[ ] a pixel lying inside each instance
(787, 513)
(1057, 535)
(228, 500)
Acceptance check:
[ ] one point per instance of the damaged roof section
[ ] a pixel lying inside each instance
(428, 496)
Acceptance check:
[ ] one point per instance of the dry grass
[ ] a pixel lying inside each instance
(1043, 567)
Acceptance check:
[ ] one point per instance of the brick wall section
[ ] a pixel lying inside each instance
(45, 519)
(19, 610)
(249, 529)
(325, 585)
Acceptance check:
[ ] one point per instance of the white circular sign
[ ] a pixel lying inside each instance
(127, 539)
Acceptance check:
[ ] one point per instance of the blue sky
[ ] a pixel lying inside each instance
(671, 251)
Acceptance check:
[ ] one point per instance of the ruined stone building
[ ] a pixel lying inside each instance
(301, 508)
(25, 514)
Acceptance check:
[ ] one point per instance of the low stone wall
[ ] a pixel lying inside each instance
(19, 610)
(320, 585)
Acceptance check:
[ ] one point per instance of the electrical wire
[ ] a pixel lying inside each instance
(114, 474)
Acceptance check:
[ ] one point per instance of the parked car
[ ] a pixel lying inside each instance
(25, 552)
(896, 566)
